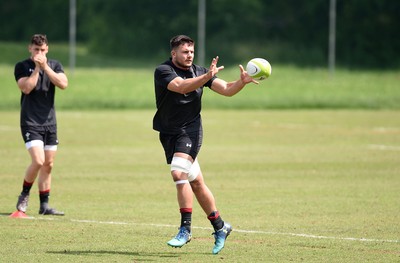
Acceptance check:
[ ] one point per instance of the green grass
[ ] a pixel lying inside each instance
(106, 83)
(297, 186)
(287, 88)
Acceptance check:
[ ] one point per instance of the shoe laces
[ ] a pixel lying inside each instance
(183, 234)
(223, 232)
(24, 198)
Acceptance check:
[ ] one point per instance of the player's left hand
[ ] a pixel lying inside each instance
(41, 60)
(245, 77)
(214, 69)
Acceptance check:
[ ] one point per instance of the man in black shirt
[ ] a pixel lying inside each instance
(178, 89)
(37, 78)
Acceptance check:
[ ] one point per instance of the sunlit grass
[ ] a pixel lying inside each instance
(108, 83)
(297, 185)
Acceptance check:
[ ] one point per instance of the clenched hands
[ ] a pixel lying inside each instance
(40, 60)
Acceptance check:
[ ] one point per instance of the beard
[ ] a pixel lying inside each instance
(181, 65)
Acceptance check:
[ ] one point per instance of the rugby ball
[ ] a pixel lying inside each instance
(259, 68)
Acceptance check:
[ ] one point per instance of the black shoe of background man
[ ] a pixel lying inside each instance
(50, 211)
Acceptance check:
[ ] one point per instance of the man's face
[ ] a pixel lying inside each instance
(38, 50)
(183, 56)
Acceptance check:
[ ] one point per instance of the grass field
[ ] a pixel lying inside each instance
(297, 186)
(287, 88)
(99, 83)
(305, 166)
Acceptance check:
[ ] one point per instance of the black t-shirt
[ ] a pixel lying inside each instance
(177, 112)
(37, 107)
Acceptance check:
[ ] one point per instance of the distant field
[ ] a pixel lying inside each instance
(104, 83)
(297, 186)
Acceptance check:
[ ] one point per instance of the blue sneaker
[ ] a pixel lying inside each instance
(220, 237)
(183, 237)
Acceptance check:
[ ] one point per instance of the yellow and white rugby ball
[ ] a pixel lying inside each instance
(259, 68)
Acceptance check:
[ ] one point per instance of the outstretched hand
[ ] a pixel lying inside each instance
(214, 69)
(245, 77)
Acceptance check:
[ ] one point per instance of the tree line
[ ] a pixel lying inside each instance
(288, 31)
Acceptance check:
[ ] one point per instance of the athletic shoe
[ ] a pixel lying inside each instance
(220, 237)
(181, 238)
(50, 211)
(22, 203)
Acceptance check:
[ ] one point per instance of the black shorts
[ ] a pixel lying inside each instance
(46, 134)
(189, 143)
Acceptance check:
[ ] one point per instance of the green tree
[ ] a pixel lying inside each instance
(19, 20)
(288, 31)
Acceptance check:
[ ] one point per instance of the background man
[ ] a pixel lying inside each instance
(37, 78)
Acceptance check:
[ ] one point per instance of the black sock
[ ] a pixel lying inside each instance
(216, 220)
(186, 218)
(26, 188)
(44, 198)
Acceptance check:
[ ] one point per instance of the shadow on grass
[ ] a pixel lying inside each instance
(125, 253)
(5, 214)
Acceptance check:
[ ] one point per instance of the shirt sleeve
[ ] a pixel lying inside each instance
(164, 74)
(21, 70)
(56, 66)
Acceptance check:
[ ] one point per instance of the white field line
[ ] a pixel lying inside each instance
(235, 230)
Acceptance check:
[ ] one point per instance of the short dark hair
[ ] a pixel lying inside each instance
(39, 39)
(178, 40)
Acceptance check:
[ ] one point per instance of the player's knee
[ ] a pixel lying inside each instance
(178, 175)
(196, 185)
(37, 162)
(179, 164)
(180, 168)
(48, 166)
(194, 171)
(183, 169)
